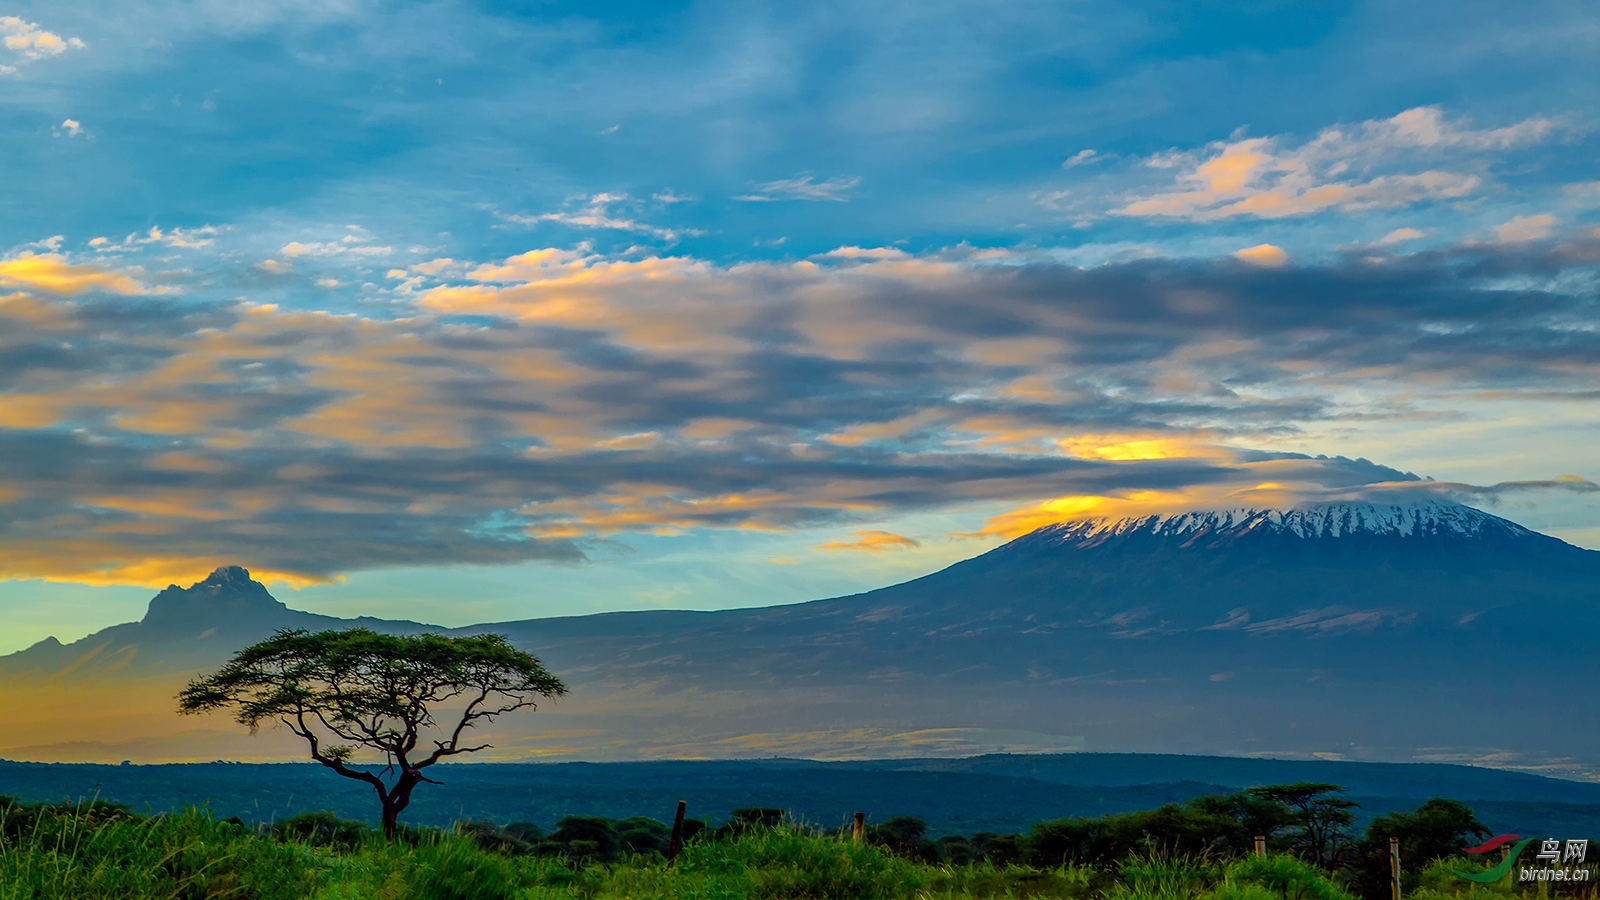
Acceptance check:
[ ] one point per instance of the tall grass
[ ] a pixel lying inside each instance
(98, 854)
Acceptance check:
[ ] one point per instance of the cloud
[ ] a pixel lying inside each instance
(295, 249)
(1525, 228)
(31, 42)
(1263, 255)
(871, 541)
(183, 238)
(1082, 157)
(1276, 482)
(598, 211)
(1399, 236)
(1414, 157)
(70, 128)
(537, 406)
(52, 272)
(804, 187)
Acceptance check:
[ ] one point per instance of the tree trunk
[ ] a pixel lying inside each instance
(391, 818)
(397, 799)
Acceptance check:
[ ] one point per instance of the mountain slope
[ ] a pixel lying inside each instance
(1347, 630)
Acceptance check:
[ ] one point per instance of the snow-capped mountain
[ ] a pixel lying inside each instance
(1313, 520)
(1370, 630)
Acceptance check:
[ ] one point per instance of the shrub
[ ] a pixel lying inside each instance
(321, 829)
(494, 839)
(905, 836)
(582, 840)
(527, 832)
(642, 834)
(1002, 849)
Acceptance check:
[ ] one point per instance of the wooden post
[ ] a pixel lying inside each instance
(1394, 868)
(859, 833)
(1261, 845)
(676, 842)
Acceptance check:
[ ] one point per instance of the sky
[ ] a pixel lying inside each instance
(467, 312)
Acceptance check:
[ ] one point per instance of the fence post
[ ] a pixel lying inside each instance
(676, 842)
(859, 832)
(1261, 845)
(1394, 868)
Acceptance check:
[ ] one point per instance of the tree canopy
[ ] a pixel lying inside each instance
(346, 691)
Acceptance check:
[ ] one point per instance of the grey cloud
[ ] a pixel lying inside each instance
(435, 444)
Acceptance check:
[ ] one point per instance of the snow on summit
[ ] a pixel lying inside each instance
(1312, 519)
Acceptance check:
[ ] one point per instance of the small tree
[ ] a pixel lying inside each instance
(347, 690)
(1437, 829)
(1322, 818)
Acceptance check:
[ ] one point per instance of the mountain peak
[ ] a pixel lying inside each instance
(226, 598)
(232, 575)
(1417, 522)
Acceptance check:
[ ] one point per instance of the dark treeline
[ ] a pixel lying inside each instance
(1310, 821)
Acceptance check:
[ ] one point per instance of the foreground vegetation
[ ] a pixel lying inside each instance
(99, 850)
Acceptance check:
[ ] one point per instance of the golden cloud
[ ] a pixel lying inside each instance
(52, 272)
(1272, 178)
(1266, 255)
(871, 541)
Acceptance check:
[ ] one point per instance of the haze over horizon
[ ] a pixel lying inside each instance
(461, 312)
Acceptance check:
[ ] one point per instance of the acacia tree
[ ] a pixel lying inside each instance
(343, 691)
(1323, 818)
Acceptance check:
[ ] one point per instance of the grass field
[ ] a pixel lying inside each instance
(94, 851)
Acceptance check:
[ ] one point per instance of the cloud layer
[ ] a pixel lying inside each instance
(536, 406)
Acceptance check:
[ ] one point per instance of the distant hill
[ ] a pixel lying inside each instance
(1428, 631)
(1001, 793)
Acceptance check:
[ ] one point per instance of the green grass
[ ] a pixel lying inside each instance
(99, 852)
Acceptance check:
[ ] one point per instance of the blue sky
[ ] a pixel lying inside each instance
(495, 311)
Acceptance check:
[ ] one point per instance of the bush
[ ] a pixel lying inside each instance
(494, 839)
(321, 829)
(750, 818)
(642, 834)
(905, 836)
(582, 840)
(527, 832)
(1002, 849)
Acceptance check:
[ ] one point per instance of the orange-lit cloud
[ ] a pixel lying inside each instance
(52, 272)
(871, 541)
(1263, 255)
(1380, 163)
(1125, 447)
(1266, 495)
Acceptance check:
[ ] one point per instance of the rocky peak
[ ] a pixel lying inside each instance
(227, 598)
